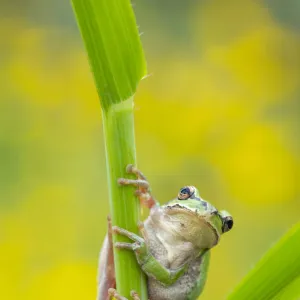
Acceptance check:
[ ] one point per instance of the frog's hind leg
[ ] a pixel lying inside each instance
(143, 192)
(114, 293)
(106, 269)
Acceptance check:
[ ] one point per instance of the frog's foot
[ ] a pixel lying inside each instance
(138, 246)
(131, 169)
(134, 295)
(114, 293)
(143, 191)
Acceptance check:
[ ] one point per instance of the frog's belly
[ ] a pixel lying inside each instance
(180, 290)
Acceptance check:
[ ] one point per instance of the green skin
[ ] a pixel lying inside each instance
(187, 227)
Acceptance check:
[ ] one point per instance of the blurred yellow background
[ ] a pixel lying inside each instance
(220, 111)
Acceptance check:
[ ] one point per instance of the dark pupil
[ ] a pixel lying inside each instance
(229, 224)
(185, 191)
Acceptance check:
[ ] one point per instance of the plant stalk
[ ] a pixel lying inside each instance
(118, 125)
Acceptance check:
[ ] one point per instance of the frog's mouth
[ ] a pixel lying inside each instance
(193, 211)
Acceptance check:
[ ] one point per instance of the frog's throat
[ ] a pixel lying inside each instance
(177, 208)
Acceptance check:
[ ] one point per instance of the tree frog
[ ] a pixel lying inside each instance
(173, 248)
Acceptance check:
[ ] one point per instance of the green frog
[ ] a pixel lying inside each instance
(173, 248)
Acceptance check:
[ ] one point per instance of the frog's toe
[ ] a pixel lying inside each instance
(140, 183)
(130, 169)
(113, 293)
(134, 237)
(134, 295)
(122, 245)
(123, 181)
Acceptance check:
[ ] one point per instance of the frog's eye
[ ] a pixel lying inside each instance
(186, 192)
(227, 223)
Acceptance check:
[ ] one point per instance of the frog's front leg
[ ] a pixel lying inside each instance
(114, 294)
(143, 192)
(149, 264)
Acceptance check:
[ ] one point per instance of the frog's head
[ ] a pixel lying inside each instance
(195, 219)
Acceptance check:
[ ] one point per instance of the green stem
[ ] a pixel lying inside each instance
(118, 126)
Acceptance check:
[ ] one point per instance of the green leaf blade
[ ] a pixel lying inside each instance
(274, 272)
(290, 292)
(114, 48)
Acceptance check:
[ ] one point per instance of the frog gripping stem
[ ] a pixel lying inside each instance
(114, 294)
(131, 169)
(174, 242)
(143, 192)
(138, 245)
